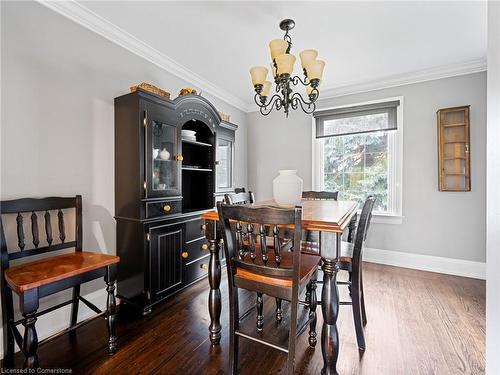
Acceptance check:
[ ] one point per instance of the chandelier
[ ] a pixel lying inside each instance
(282, 69)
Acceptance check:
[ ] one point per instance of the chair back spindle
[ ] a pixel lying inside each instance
(20, 231)
(60, 222)
(34, 229)
(48, 228)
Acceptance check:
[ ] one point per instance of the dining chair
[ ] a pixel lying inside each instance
(313, 236)
(249, 198)
(279, 273)
(351, 260)
(242, 197)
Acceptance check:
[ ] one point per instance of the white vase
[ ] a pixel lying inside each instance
(287, 188)
(164, 154)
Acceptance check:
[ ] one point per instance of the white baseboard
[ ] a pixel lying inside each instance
(58, 320)
(450, 266)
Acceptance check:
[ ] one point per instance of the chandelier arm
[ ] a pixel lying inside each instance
(276, 101)
(297, 99)
(296, 79)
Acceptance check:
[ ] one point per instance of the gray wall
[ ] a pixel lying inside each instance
(493, 175)
(439, 224)
(57, 126)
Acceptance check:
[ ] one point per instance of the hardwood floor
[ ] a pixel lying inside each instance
(418, 323)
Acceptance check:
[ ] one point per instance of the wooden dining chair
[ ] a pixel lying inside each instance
(239, 198)
(351, 260)
(33, 280)
(279, 273)
(249, 198)
(313, 236)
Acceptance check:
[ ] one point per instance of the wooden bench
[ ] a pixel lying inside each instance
(40, 278)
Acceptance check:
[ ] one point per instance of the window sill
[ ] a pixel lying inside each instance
(387, 219)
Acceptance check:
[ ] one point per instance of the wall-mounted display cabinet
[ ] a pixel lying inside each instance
(454, 149)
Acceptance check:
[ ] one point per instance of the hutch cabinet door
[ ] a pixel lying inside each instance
(165, 245)
(224, 161)
(162, 153)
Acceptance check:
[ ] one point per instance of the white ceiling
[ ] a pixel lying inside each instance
(360, 41)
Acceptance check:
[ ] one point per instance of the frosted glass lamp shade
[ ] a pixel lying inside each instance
(285, 63)
(315, 70)
(307, 57)
(277, 47)
(266, 89)
(259, 74)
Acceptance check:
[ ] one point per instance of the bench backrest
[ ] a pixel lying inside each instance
(35, 214)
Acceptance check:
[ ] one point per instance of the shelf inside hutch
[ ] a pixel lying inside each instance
(453, 149)
(197, 168)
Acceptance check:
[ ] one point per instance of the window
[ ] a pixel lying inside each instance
(357, 152)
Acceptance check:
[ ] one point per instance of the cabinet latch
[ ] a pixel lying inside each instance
(148, 237)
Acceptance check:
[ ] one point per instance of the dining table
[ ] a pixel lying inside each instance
(331, 219)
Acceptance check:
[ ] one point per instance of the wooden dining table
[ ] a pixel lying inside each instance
(331, 219)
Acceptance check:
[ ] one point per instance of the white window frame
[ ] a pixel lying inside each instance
(395, 175)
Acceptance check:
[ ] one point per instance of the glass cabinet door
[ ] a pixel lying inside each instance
(224, 163)
(163, 164)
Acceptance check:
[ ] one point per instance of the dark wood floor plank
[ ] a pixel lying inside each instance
(418, 323)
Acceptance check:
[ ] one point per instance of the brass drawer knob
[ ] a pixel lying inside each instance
(167, 208)
(203, 227)
(185, 254)
(204, 246)
(204, 266)
(179, 158)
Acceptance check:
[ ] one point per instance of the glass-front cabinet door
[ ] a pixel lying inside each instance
(224, 162)
(163, 159)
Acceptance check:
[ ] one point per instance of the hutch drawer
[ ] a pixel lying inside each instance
(195, 229)
(163, 208)
(196, 269)
(195, 249)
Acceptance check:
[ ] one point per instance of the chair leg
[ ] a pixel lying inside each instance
(293, 334)
(28, 305)
(74, 306)
(356, 311)
(7, 318)
(260, 312)
(308, 296)
(312, 313)
(350, 285)
(279, 310)
(110, 279)
(362, 295)
(234, 319)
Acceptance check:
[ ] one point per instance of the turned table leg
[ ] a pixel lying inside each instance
(111, 308)
(330, 310)
(214, 276)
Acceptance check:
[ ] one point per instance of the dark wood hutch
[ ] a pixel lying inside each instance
(163, 183)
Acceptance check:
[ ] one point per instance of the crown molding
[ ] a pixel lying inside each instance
(446, 71)
(83, 16)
